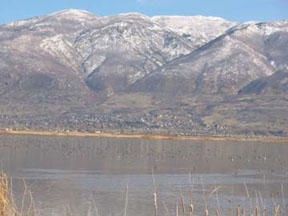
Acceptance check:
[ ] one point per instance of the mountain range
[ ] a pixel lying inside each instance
(74, 70)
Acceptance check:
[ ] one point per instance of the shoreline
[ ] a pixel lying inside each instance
(142, 136)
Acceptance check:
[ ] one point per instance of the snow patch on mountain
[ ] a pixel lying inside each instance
(79, 15)
(197, 29)
(59, 47)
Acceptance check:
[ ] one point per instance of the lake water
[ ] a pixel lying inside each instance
(80, 175)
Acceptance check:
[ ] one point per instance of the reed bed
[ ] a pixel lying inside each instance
(183, 207)
(239, 211)
(8, 206)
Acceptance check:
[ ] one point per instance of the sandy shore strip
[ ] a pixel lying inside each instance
(143, 136)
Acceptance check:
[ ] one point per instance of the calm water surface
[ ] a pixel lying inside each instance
(82, 174)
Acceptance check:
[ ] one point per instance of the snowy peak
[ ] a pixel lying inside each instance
(196, 29)
(264, 28)
(70, 17)
(73, 13)
(187, 19)
(134, 14)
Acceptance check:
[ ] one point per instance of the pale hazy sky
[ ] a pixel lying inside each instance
(243, 10)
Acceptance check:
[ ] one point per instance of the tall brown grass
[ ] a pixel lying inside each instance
(7, 205)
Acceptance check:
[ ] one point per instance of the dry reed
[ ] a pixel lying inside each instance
(7, 207)
(238, 211)
(191, 209)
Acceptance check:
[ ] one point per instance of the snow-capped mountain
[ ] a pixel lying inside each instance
(227, 63)
(75, 60)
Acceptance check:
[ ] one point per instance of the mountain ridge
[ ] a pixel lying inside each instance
(164, 74)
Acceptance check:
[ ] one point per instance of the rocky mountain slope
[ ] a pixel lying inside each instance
(167, 74)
